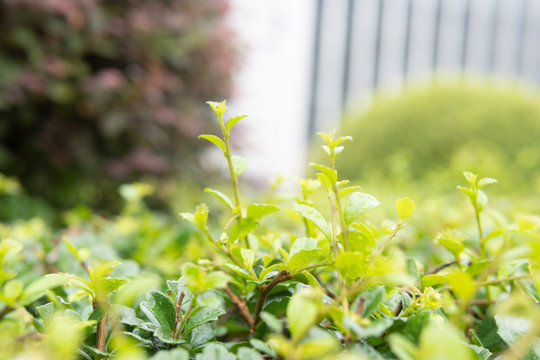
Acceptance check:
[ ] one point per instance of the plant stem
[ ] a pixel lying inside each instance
(480, 234)
(311, 267)
(177, 308)
(500, 280)
(225, 250)
(344, 227)
(101, 329)
(283, 275)
(335, 247)
(390, 237)
(5, 311)
(186, 315)
(241, 308)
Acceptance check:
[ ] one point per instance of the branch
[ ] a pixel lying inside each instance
(439, 268)
(178, 307)
(101, 330)
(283, 275)
(5, 311)
(241, 308)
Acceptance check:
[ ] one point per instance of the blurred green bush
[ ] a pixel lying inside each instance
(94, 94)
(426, 138)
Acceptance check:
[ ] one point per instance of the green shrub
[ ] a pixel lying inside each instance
(430, 135)
(97, 93)
(276, 279)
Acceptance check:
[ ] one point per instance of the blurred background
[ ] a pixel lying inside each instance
(95, 94)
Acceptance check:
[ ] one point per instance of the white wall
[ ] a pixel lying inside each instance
(272, 86)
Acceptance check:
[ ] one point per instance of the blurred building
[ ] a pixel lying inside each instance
(307, 60)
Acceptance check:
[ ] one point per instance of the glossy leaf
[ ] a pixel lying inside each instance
(200, 316)
(315, 217)
(159, 309)
(214, 140)
(357, 204)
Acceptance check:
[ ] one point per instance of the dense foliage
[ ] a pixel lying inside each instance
(94, 93)
(274, 280)
(426, 136)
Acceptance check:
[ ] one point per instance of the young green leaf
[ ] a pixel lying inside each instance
(218, 107)
(239, 165)
(303, 311)
(257, 211)
(358, 204)
(331, 174)
(351, 265)
(315, 217)
(249, 257)
(221, 196)
(233, 121)
(214, 140)
(405, 208)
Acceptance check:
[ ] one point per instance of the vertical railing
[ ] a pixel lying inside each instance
(439, 10)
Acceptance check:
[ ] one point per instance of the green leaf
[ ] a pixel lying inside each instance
(373, 298)
(215, 351)
(46, 312)
(453, 241)
(216, 280)
(11, 291)
(249, 257)
(315, 217)
(357, 204)
(361, 239)
(257, 211)
(239, 165)
(9, 249)
(242, 228)
(470, 177)
(326, 182)
(347, 190)
(330, 174)
(221, 196)
(264, 273)
(486, 181)
(174, 354)
(418, 322)
(481, 200)
(405, 208)
(462, 285)
(262, 347)
(39, 288)
(273, 322)
(403, 348)
(214, 140)
(351, 265)
(304, 243)
(303, 311)
(239, 271)
(246, 353)
(200, 316)
(433, 280)
(233, 121)
(375, 328)
(312, 280)
(202, 334)
(218, 107)
(159, 309)
(199, 218)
